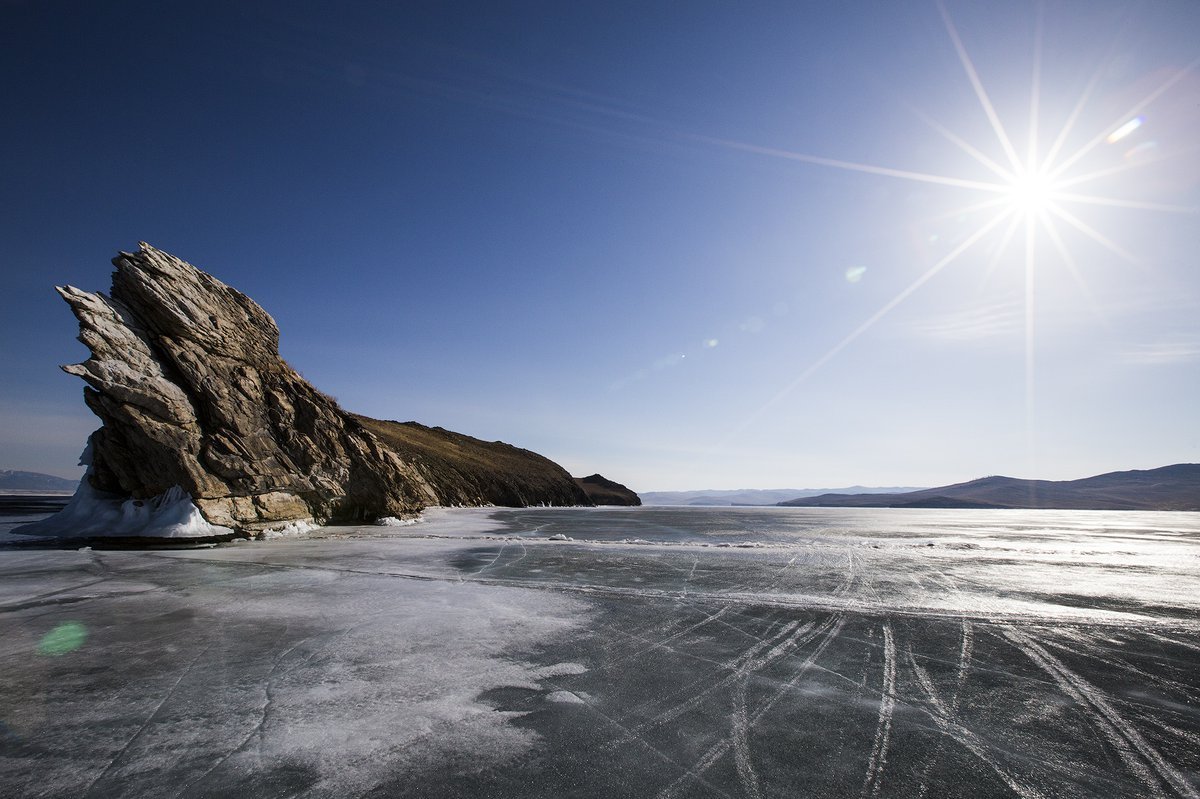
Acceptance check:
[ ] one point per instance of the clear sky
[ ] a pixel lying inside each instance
(687, 245)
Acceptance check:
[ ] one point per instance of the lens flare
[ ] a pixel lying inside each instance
(64, 638)
(1125, 130)
(855, 274)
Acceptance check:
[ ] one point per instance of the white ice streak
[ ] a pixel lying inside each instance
(883, 729)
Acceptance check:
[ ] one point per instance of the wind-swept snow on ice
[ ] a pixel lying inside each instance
(234, 678)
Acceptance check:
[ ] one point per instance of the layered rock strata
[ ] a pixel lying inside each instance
(186, 377)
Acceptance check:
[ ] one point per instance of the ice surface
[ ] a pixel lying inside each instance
(851, 653)
(225, 678)
(171, 514)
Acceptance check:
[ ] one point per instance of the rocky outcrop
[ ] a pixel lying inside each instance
(185, 375)
(602, 491)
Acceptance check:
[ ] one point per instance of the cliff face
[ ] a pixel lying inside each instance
(185, 375)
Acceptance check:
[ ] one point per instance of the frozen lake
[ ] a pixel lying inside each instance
(688, 652)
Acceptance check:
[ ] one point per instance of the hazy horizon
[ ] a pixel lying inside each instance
(775, 244)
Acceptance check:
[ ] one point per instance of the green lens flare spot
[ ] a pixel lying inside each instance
(66, 637)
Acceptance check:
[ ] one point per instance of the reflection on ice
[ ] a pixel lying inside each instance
(1097, 565)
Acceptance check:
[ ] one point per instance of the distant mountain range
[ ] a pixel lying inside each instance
(753, 496)
(34, 481)
(1167, 488)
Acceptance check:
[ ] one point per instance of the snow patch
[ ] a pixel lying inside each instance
(392, 521)
(559, 670)
(564, 698)
(290, 530)
(171, 514)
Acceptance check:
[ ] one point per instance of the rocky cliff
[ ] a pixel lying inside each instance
(186, 377)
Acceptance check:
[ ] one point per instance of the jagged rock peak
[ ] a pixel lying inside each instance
(185, 375)
(186, 378)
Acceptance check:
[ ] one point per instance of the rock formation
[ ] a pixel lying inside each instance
(185, 375)
(603, 491)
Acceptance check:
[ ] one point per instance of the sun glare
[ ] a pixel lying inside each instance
(1031, 193)
(1039, 189)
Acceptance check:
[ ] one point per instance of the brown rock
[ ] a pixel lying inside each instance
(185, 375)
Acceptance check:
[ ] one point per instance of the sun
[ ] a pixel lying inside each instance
(1031, 193)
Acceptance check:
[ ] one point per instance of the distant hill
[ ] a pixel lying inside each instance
(469, 471)
(34, 481)
(1167, 488)
(753, 496)
(603, 491)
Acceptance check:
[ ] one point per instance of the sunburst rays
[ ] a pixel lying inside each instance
(1036, 191)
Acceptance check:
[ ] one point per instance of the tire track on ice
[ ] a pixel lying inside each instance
(651, 644)
(887, 706)
(830, 630)
(1173, 641)
(965, 651)
(1189, 693)
(947, 722)
(691, 574)
(739, 739)
(1151, 768)
(662, 644)
(964, 661)
(741, 723)
(752, 659)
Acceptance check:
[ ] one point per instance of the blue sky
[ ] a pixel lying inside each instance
(648, 240)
